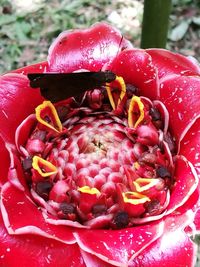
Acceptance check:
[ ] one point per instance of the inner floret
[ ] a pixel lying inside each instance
(100, 162)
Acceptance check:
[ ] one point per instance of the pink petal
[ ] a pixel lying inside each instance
(118, 246)
(181, 95)
(136, 67)
(30, 250)
(169, 63)
(22, 216)
(18, 100)
(172, 249)
(197, 220)
(85, 49)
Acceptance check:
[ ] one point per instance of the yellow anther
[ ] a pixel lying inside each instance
(46, 111)
(142, 184)
(131, 121)
(134, 198)
(122, 88)
(89, 190)
(136, 165)
(44, 167)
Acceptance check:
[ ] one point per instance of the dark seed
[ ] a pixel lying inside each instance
(27, 164)
(171, 143)
(153, 207)
(121, 219)
(67, 208)
(43, 189)
(155, 114)
(131, 90)
(162, 172)
(98, 209)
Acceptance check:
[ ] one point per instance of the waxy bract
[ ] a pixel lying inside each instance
(32, 236)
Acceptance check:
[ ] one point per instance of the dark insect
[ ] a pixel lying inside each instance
(59, 86)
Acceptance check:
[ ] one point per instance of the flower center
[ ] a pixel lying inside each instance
(101, 163)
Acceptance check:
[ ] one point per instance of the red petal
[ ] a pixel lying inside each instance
(18, 100)
(4, 162)
(35, 68)
(34, 251)
(118, 246)
(136, 67)
(186, 181)
(22, 216)
(190, 146)
(181, 95)
(85, 49)
(92, 261)
(173, 249)
(169, 63)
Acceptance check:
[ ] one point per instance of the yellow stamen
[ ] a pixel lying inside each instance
(44, 167)
(89, 190)
(136, 165)
(47, 109)
(142, 184)
(122, 88)
(135, 100)
(134, 198)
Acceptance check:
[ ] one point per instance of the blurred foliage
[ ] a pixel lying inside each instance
(27, 31)
(25, 36)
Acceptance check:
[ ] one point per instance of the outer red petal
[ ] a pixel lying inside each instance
(86, 49)
(18, 100)
(169, 63)
(35, 68)
(173, 249)
(185, 184)
(22, 216)
(136, 67)
(181, 95)
(117, 247)
(4, 162)
(33, 251)
(190, 146)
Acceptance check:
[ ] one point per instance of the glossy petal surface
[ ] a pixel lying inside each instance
(86, 49)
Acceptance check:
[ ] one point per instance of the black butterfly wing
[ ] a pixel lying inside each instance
(59, 86)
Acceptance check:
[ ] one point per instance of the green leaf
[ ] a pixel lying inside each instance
(6, 19)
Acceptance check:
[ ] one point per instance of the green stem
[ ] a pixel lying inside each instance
(155, 23)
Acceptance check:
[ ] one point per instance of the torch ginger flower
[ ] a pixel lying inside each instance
(109, 178)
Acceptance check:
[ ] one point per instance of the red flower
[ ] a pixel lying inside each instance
(146, 204)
